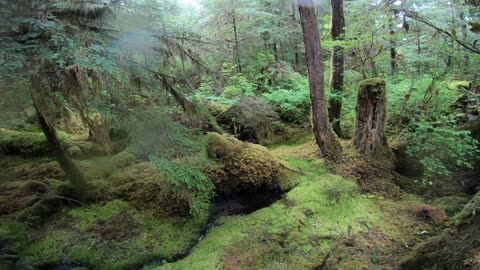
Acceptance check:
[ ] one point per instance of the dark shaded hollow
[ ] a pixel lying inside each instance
(244, 202)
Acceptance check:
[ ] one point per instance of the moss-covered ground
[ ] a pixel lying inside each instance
(324, 214)
(101, 236)
(324, 219)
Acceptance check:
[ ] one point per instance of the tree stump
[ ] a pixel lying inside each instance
(371, 117)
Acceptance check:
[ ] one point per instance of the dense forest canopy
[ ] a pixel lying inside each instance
(146, 134)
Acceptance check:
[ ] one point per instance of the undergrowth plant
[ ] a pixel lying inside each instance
(180, 154)
(440, 147)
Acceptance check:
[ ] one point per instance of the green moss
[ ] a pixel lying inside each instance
(451, 204)
(458, 85)
(244, 166)
(367, 83)
(13, 236)
(145, 187)
(284, 233)
(23, 143)
(124, 159)
(87, 216)
(109, 236)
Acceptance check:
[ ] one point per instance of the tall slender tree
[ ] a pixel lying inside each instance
(338, 65)
(324, 135)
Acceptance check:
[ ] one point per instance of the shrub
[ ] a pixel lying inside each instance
(180, 154)
(440, 147)
(338, 191)
(292, 99)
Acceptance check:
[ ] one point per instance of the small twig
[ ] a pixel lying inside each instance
(64, 198)
(292, 169)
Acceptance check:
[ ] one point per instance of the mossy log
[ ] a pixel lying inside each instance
(371, 116)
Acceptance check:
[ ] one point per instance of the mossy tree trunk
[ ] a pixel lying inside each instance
(324, 135)
(371, 116)
(338, 66)
(41, 93)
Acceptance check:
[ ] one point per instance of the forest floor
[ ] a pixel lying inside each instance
(324, 222)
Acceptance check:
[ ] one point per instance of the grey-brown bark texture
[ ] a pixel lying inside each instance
(324, 135)
(338, 66)
(371, 116)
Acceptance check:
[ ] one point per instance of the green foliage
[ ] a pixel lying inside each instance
(189, 181)
(337, 191)
(180, 154)
(440, 147)
(293, 100)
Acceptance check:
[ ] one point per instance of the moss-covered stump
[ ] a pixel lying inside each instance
(371, 116)
(457, 248)
(243, 166)
(147, 188)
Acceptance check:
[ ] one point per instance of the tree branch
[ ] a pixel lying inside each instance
(414, 15)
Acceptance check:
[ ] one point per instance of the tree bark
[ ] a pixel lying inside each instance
(393, 49)
(237, 49)
(294, 36)
(338, 66)
(324, 135)
(371, 117)
(72, 172)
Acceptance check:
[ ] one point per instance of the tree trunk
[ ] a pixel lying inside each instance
(294, 36)
(338, 66)
(237, 49)
(371, 117)
(393, 49)
(72, 172)
(324, 135)
(275, 51)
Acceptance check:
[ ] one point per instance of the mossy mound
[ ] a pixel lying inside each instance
(17, 195)
(146, 188)
(243, 166)
(451, 204)
(374, 174)
(34, 144)
(83, 149)
(23, 143)
(456, 248)
(37, 171)
(101, 236)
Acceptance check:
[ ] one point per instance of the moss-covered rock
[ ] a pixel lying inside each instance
(146, 188)
(250, 119)
(244, 166)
